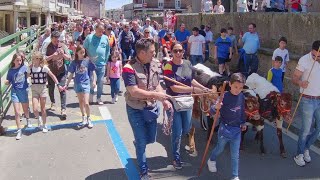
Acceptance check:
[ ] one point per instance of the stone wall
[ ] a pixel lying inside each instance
(300, 29)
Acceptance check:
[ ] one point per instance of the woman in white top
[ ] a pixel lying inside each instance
(242, 6)
(63, 34)
(219, 8)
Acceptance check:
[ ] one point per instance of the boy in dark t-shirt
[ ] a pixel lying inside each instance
(232, 121)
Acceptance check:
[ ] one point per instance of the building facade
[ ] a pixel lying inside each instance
(114, 14)
(15, 14)
(93, 8)
(143, 8)
(128, 11)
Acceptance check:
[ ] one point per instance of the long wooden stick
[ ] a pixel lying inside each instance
(295, 110)
(212, 130)
(174, 81)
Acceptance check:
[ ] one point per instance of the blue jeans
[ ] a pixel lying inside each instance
(125, 55)
(144, 133)
(252, 63)
(207, 52)
(180, 126)
(115, 86)
(309, 109)
(195, 59)
(100, 71)
(234, 151)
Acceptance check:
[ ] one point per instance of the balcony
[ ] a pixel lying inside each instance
(35, 3)
(166, 5)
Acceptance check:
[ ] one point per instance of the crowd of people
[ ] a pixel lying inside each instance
(91, 51)
(259, 5)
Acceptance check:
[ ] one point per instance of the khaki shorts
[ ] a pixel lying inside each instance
(39, 90)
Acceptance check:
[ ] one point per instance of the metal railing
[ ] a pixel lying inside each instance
(32, 37)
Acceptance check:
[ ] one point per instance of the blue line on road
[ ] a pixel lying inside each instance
(123, 154)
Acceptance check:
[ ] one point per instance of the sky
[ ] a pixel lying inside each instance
(114, 4)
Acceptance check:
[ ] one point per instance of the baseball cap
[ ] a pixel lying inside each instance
(148, 19)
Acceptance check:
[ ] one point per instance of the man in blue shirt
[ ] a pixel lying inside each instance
(98, 49)
(182, 36)
(163, 32)
(251, 44)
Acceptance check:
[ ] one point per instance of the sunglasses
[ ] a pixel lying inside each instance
(178, 50)
(146, 32)
(109, 29)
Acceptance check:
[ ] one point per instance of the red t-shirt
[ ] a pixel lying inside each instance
(295, 5)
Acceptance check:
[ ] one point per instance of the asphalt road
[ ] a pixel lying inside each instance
(107, 151)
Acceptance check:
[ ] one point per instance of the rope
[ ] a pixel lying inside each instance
(167, 124)
(201, 108)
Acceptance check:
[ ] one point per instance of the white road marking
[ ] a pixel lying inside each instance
(294, 137)
(105, 113)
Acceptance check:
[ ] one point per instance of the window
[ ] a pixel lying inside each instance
(178, 4)
(160, 4)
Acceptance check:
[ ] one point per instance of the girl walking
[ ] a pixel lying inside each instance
(83, 70)
(114, 72)
(17, 77)
(38, 72)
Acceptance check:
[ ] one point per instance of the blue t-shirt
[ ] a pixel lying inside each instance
(82, 70)
(251, 42)
(232, 111)
(98, 48)
(18, 77)
(223, 46)
(277, 78)
(76, 35)
(182, 36)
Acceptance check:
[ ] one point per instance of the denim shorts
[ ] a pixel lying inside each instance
(82, 88)
(222, 60)
(19, 95)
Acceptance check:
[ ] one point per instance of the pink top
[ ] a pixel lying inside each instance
(114, 71)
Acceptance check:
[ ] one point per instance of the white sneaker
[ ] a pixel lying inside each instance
(84, 121)
(29, 125)
(299, 160)
(113, 100)
(40, 123)
(212, 166)
(306, 156)
(235, 178)
(19, 134)
(116, 98)
(90, 124)
(99, 101)
(45, 129)
(91, 98)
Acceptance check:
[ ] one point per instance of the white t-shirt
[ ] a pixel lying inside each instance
(63, 36)
(207, 6)
(304, 65)
(196, 44)
(285, 56)
(209, 36)
(304, 5)
(218, 9)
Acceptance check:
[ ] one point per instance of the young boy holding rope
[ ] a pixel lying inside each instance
(232, 118)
